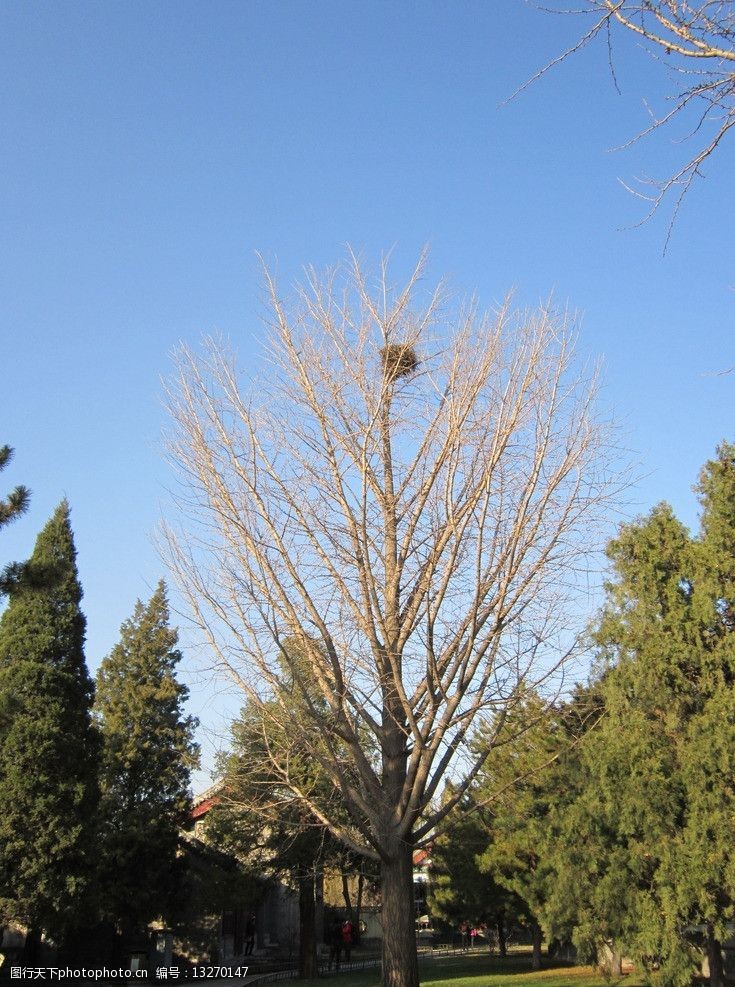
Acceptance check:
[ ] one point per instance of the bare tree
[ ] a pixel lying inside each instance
(695, 42)
(411, 492)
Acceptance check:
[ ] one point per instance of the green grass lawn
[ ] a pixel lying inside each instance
(481, 970)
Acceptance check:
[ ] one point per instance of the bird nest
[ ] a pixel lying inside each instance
(399, 360)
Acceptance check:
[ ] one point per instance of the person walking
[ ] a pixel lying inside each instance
(347, 938)
(250, 934)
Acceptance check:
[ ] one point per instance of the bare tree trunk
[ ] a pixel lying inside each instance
(537, 940)
(346, 895)
(502, 946)
(319, 905)
(612, 960)
(616, 963)
(400, 962)
(714, 958)
(358, 907)
(307, 916)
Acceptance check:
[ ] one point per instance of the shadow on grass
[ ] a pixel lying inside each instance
(483, 970)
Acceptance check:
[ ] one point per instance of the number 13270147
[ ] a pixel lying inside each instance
(210, 972)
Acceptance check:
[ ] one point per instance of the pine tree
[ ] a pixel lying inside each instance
(625, 843)
(15, 504)
(48, 748)
(17, 501)
(262, 821)
(148, 754)
(523, 785)
(661, 784)
(459, 892)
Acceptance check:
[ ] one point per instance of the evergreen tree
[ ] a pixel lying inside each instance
(260, 818)
(459, 892)
(148, 754)
(264, 826)
(523, 784)
(17, 501)
(15, 504)
(591, 889)
(661, 784)
(48, 749)
(624, 842)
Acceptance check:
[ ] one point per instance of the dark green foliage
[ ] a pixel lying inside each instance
(148, 755)
(260, 819)
(459, 891)
(257, 817)
(619, 833)
(269, 761)
(213, 883)
(48, 746)
(16, 503)
(655, 813)
(716, 489)
(527, 781)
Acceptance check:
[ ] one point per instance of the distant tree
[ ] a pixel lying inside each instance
(258, 821)
(530, 776)
(459, 891)
(48, 745)
(259, 818)
(520, 786)
(694, 40)
(585, 895)
(148, 754)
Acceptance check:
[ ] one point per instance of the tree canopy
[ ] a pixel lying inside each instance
(48, 746)
(658, 760)
(625, 845)
(406, 494)
(17, 501)
(694, 43)
(147, 757)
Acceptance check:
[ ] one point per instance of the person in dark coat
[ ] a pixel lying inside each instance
(250, 934)
(335, 944)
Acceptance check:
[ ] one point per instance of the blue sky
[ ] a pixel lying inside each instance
(150, 149)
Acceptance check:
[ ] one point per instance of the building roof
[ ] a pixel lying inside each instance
(203, 802)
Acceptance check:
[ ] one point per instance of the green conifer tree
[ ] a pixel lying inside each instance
(259, 817)
(48, 748)
(17, 501)
(625, 843)
(522, 785)
(459, 892)
(148, 754)
(659, 798)
(11, 507)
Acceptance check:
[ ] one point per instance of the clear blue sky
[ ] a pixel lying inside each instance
(149, 149)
